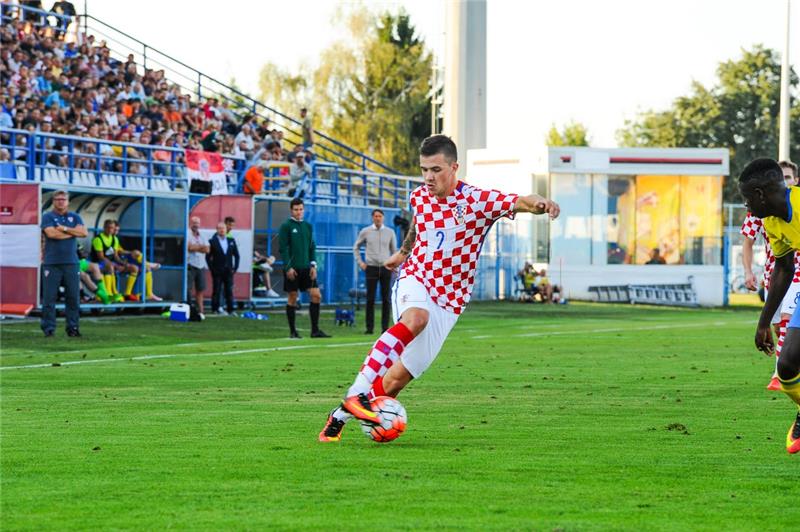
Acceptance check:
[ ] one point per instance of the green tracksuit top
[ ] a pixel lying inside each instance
(297, 246)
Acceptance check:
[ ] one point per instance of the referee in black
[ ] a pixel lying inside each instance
(299, 267)
(380, 243)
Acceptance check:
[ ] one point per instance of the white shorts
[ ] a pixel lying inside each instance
(788, 304)
(417, 357)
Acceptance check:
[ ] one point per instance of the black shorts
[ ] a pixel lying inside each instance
(302, 281)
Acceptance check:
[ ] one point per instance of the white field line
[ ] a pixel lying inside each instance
(153, 357)
(306, 346)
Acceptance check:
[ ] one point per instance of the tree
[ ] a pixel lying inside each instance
(740, 112)
(372, 91)
(573, 134)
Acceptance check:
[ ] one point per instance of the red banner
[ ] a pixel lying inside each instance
(207, 166)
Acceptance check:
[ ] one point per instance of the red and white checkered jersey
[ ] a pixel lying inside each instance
(751, 228)
(450, 234)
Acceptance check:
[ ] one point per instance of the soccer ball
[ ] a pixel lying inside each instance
(392, 417)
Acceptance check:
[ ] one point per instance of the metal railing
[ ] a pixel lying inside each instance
(111, 164)
(91, 162)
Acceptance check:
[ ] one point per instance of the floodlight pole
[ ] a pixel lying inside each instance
(783, 140)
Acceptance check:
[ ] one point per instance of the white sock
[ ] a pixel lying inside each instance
(341, 414)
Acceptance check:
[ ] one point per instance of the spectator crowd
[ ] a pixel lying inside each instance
(51, 84)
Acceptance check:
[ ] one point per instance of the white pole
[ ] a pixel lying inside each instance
(783, 140)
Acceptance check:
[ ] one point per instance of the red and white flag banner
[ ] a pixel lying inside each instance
(207, 166)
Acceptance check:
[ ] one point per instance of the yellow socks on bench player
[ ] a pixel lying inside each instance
(131, 282)
(110, 282)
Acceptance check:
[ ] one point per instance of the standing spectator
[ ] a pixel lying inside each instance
(298, 252)
(254, 178)
(308, 130)
(223, 260)
(380, 243)
(196, 273)
(61, 227)
(65, 9)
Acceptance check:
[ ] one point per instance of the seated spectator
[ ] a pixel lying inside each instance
(242, 151)
(655, 257)
(244, 137)
(299, 174)
(547, 289)
(527, 277)
(262, 270)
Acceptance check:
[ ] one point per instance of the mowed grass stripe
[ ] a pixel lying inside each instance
(328, 345)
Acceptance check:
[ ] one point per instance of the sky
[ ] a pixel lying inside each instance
(549, 61)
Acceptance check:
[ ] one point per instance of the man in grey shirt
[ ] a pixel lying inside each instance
(380, 244)
(196, 267)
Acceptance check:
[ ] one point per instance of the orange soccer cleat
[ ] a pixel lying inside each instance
(360, 408)
(774, 385)
(332, 431)
(793, 437)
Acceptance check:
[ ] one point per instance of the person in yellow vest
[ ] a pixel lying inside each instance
(104, 253)
(545, 288)
(135, 256)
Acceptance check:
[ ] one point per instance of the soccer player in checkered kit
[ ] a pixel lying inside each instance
(439, 258)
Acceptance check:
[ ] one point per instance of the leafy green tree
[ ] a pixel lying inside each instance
(573, 134)
(237, 99)
(371, 91)
(739, 112)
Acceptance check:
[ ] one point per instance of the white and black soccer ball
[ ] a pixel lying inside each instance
(393, 420)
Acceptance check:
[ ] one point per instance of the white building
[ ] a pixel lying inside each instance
(617, 207)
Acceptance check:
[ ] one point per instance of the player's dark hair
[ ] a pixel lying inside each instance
(762, 173)
(295, 201)
(790, 165)
(109, 221)
(376, 210)
(230, 220)
(439, 144)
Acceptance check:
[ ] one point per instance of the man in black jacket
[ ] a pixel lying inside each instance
(223, 261)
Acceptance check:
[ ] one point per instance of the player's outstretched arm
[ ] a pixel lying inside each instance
(393, 262)
(537, 204)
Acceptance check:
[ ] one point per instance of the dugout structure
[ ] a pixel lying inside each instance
(151, 222)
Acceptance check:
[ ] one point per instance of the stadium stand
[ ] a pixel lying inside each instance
(116, 131)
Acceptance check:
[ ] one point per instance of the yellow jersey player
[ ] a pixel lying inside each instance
(767, 197)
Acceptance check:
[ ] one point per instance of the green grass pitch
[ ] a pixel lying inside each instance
(575, 417)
